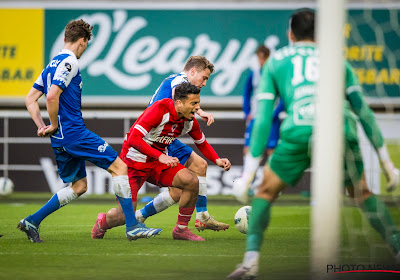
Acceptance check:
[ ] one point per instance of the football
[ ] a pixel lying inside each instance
(6, 186)
(242, 219)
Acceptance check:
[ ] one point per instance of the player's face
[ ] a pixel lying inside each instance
(261, 59)
(82, 47)
(190, 106)
(199, 79)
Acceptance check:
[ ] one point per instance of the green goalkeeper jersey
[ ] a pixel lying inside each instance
(292, 73)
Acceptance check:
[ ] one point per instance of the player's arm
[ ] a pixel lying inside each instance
(247, 92)
(265, 97)
(52, 102)
(354, 94)
(207, 117)
(205, 148)
(31, 102)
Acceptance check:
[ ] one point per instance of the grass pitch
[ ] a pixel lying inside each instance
(68, 252)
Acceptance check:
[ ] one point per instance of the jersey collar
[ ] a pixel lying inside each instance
(68, 52)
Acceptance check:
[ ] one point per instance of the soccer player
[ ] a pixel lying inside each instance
(72, 142)
(145, 152)
(196, 71)
(240, 187)
(286, 74)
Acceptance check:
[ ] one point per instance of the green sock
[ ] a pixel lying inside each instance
(259, 219)
(380, 219)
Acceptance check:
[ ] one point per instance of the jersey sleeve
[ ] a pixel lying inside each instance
(66, 70)
(354, 94)
(200, 140)
(266, 95)
(247, 93)
(39, 85)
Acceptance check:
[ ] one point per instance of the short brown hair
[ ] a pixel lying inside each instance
(77, 29)
(199, 62)
(262, 49)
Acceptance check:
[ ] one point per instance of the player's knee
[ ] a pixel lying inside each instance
(80, 187)
(192, 182)
(118, 168)
(200, 166)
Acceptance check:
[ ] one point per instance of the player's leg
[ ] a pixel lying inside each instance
(161, 202)
(117, 216)
(204, 220)
(286, 167)
(184, 179)
(166, 199)
(375, 210)
(71, 169)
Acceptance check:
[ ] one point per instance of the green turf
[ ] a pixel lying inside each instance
(69, 253)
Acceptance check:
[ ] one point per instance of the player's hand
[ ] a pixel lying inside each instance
(392, 175)
(223, 163)
(207, 117)
(50, 130)
(40, 132)
(170, 161)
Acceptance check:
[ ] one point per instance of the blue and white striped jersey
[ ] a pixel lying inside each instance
(165, 89)
(63, 71)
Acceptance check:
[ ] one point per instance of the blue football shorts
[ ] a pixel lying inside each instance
(71, 157)
(179, 150)
(273, 137)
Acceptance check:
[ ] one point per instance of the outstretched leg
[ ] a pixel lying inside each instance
(377, 214)
(204, 220)
(267, 192)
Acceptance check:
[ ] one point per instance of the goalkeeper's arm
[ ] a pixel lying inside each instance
(372, 131)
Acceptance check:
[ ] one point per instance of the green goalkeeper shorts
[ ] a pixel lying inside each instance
(290, 160)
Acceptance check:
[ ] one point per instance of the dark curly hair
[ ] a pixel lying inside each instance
(183, 90)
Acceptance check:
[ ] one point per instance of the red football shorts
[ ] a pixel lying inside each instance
(153, 172)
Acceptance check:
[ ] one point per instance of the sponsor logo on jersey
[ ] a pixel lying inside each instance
(68, 66)
(164, 139)
(54, 63)
(173, 127)
(102, 148)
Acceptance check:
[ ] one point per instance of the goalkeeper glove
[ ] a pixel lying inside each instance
(241, 186)
(391, 173)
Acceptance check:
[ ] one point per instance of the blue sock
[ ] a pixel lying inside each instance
(127, 207)
(201, 204)
(148, 210)
(52, 205)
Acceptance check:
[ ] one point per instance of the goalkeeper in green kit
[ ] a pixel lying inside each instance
(292, 73)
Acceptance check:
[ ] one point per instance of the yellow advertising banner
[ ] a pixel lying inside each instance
(21, 50)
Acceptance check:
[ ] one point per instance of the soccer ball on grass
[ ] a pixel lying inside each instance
(242, 219)
(6, 186)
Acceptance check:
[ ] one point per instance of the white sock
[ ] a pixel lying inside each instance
(162, 201)
(202, 185)
(202, 216)
(250, 257)
(66, 195)
(121, 186)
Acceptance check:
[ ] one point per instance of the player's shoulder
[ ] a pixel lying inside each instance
(178, 79)
(162, 104)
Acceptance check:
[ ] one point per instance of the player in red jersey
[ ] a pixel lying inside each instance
(145, 153)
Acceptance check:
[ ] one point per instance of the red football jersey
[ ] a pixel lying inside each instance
(156, 128)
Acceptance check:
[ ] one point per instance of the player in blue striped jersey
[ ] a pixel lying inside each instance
(72, 142)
